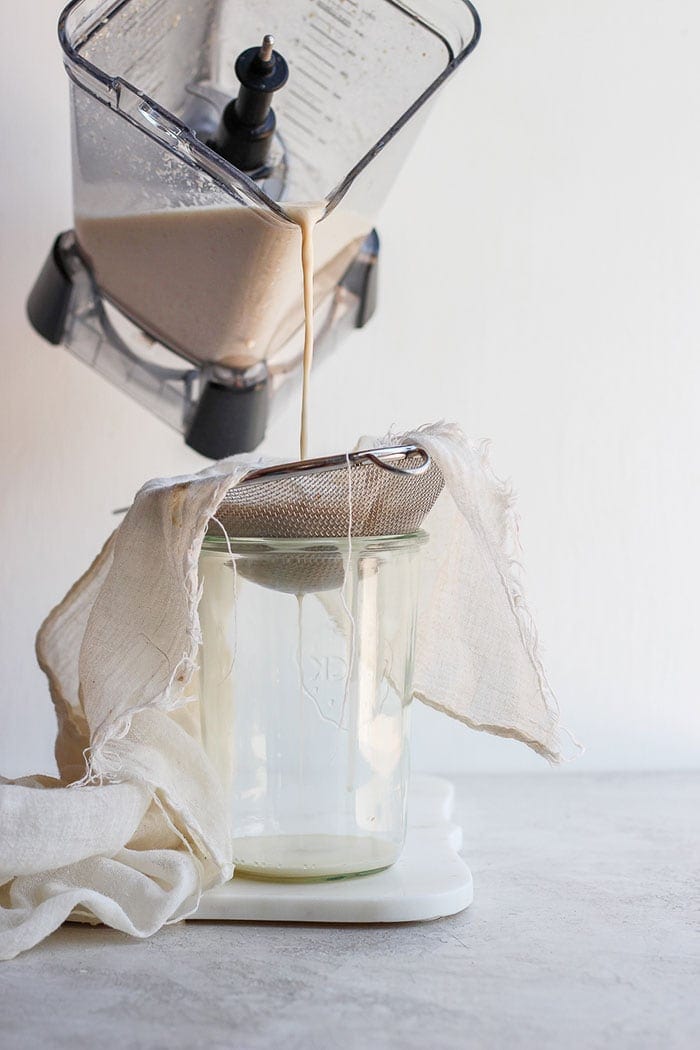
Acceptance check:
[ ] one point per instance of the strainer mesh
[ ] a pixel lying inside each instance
(362, 499)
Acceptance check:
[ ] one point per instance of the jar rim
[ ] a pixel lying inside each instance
(316, 544)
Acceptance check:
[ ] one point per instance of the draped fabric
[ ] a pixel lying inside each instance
(135, 827)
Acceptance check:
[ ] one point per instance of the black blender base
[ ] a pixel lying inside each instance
(220, 411)
(224, 419)
(50, 299)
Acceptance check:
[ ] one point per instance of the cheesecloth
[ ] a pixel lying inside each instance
(135, 826)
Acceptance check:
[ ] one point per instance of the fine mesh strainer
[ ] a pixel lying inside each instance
(377, 492)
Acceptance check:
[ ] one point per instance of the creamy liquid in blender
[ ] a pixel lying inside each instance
(224, 285)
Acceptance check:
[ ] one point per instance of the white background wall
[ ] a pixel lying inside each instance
(540, 286)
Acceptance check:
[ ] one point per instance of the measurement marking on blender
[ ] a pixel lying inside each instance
(335, 15)
(343, 43)
(309, 94)
(341, 35)
(318, 57)
(319, 83)
(303, 127)
(331, 39)
(306, 101)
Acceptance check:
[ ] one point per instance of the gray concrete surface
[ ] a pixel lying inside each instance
(583, 934)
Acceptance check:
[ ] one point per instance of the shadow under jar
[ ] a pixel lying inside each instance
(305, 677)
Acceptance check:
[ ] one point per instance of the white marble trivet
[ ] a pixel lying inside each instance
(430, 880)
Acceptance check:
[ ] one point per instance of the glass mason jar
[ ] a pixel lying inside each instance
(305, 683)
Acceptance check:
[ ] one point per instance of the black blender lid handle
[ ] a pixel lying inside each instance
(248, 123)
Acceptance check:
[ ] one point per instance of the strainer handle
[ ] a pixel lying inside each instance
(381, 457)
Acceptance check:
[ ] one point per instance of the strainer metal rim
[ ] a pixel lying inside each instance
(380, 457)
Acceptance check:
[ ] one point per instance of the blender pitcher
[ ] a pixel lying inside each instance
(182, 282)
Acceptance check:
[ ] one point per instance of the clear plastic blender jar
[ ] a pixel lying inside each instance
(200, 254)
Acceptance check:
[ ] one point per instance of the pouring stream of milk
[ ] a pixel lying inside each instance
(306, 216)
